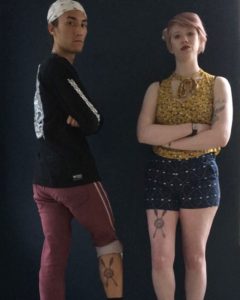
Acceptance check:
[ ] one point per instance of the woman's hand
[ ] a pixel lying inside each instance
(201, 127)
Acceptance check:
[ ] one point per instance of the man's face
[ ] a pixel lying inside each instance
(70, 33)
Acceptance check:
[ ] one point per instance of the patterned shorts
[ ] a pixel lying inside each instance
(172, 184)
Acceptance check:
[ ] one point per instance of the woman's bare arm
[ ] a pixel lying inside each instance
(220, 130)
(155, 134)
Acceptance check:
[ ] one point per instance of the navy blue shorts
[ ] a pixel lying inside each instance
(172, 184)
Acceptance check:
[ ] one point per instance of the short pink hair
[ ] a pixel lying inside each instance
(186, 19)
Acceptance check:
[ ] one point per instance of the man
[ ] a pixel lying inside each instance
(66, 182)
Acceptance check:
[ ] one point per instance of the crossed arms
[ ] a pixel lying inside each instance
(176, 136)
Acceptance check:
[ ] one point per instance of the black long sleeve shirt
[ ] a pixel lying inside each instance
(64, 158)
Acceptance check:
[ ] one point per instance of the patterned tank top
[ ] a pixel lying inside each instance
(196, 108)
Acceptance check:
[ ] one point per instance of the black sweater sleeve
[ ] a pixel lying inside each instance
(65, 84)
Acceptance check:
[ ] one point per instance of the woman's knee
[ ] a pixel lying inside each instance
(162, 261)
(195, 261)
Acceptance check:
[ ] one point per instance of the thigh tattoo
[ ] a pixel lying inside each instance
(159, 223)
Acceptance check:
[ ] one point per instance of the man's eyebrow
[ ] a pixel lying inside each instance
(72, 18)
(75, 19)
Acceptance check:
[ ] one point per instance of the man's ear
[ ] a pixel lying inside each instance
(51, 29)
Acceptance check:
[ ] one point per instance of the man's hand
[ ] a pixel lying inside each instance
(72, 122)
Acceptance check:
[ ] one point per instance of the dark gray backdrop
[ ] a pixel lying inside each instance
(123, 55)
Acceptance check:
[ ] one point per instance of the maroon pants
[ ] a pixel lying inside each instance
(57, 207)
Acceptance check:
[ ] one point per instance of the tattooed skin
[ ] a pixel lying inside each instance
(108, 271)
(219, 106)
(159, 223)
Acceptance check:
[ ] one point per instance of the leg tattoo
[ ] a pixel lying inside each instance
(108, 272)
(159, 223)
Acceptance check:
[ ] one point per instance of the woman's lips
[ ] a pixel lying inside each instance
(185, 47)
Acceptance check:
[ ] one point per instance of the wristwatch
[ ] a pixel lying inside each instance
(194, 129)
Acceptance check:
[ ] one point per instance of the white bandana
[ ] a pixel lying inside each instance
(59, 7)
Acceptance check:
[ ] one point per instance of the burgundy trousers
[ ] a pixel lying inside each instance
(57, 207)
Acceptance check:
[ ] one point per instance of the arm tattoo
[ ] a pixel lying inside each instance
(159, 223)
(219, 106)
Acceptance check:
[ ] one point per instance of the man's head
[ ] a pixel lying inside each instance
(67, 23)
(59, 7)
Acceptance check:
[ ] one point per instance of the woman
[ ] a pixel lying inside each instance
(187, 118)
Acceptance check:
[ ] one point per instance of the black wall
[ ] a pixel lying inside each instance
(124, 53)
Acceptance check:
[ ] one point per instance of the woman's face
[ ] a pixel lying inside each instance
(184, 41)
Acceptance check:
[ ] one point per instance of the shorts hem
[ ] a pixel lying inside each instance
(182, 207)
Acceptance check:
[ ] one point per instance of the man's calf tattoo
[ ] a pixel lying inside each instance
(108, 271)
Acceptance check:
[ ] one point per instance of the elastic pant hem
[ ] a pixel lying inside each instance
(113, 247)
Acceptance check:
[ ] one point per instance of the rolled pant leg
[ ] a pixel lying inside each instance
(56, 224)
(89, 204)
(95, 214)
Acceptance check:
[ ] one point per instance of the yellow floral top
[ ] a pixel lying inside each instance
(196, 108)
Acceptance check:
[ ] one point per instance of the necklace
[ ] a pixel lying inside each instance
(187, 84)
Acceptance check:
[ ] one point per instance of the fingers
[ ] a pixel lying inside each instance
(72, 122)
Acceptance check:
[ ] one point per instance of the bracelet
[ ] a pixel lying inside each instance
(194, 130)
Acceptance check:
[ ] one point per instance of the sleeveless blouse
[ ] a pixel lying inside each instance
(196, 108)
